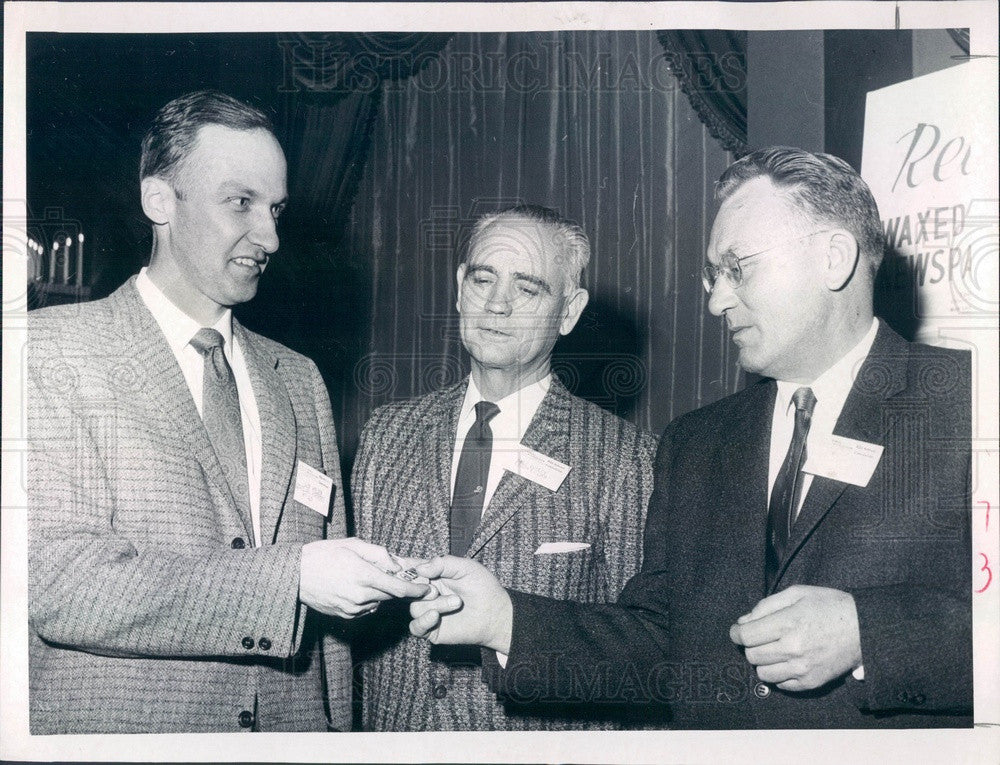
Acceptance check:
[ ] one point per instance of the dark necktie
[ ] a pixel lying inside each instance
(470, 479)
(220, 411)
(787, 487)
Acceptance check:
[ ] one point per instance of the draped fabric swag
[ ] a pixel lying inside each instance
(711, 67)
(592, 124)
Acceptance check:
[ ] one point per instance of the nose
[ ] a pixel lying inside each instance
(722, 297)
(264, 233)
(497, 300)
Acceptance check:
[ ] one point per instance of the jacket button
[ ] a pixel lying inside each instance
(264, 644)
(248, 643)
(246, 718)
(903, 697)
(762, 690)
(238, 543)
(918, 699)
(440, 691)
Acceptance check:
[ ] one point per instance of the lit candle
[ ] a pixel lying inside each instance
(52, 262)
(66, 261)
(79, 260)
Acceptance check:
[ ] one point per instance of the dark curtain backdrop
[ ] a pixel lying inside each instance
(592, 124)
(423, 132)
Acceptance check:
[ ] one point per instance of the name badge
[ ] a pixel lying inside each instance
(843, 459)
(540, 468)
(313, 488)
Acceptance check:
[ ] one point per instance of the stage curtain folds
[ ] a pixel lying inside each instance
(592, 124)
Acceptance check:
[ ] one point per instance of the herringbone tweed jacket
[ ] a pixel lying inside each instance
(148, 610)
(401, 489)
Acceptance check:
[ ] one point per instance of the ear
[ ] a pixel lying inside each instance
(460, 278)
(158, 200)
(842, 256)
(572, 309)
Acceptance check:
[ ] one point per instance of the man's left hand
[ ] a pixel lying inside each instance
(801, 637)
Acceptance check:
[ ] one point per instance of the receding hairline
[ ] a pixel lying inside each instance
(178, 174)
(571, 259)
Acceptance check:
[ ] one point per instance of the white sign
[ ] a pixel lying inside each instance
(930, 158)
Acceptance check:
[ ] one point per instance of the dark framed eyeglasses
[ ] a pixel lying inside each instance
(729, 265)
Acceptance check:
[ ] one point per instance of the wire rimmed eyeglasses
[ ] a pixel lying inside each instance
(729, 265)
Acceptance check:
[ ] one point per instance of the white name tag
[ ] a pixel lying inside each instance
(313, 488)
(539, 468)
(843, 459)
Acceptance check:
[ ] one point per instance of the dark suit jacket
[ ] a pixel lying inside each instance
(900, 546)
(401, 494)
(149, 611)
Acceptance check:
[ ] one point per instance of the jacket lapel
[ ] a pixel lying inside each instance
(439, 447)
(882, 375)
(167, 390)
(737, 484)
(548, 433)
(277, 427)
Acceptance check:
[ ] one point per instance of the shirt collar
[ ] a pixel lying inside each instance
(517, 409)
(833, 386)
(177, 326)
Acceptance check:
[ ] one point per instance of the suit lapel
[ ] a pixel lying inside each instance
(737, 471)
(882, 375)
(166, 388)
(439, 448)
(277, 427)
(548, 433)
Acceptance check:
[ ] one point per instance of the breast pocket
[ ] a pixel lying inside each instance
(568, 574)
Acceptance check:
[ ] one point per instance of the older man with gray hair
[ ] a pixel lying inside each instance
(507, 468)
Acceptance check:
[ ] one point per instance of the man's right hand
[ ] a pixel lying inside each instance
(346, 577)
(470, 607)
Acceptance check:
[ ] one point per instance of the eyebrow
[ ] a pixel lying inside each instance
(245, 191)
(538, 282)
(518, 275)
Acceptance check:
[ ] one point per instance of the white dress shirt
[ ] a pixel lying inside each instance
(508, 427)
(179, 329)
(831, 389)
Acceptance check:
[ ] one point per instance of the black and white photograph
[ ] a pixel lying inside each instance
(500, 382)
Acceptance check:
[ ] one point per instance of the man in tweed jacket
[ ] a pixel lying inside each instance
(166, 593)
(576, 538)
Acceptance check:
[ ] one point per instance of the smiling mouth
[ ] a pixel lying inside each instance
(252, 263)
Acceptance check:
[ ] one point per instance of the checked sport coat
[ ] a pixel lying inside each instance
(401, 492)
(149, 609)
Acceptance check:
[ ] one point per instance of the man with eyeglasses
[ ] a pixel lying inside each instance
(807, 555)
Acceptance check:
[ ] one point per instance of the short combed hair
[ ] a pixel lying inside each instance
(174, 130)
(565, 234)
(823, 186)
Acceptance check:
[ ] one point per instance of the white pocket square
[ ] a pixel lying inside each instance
(548, 548)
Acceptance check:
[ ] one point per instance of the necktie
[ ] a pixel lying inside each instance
(220, 411)
(470, 479)
(787, 487)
